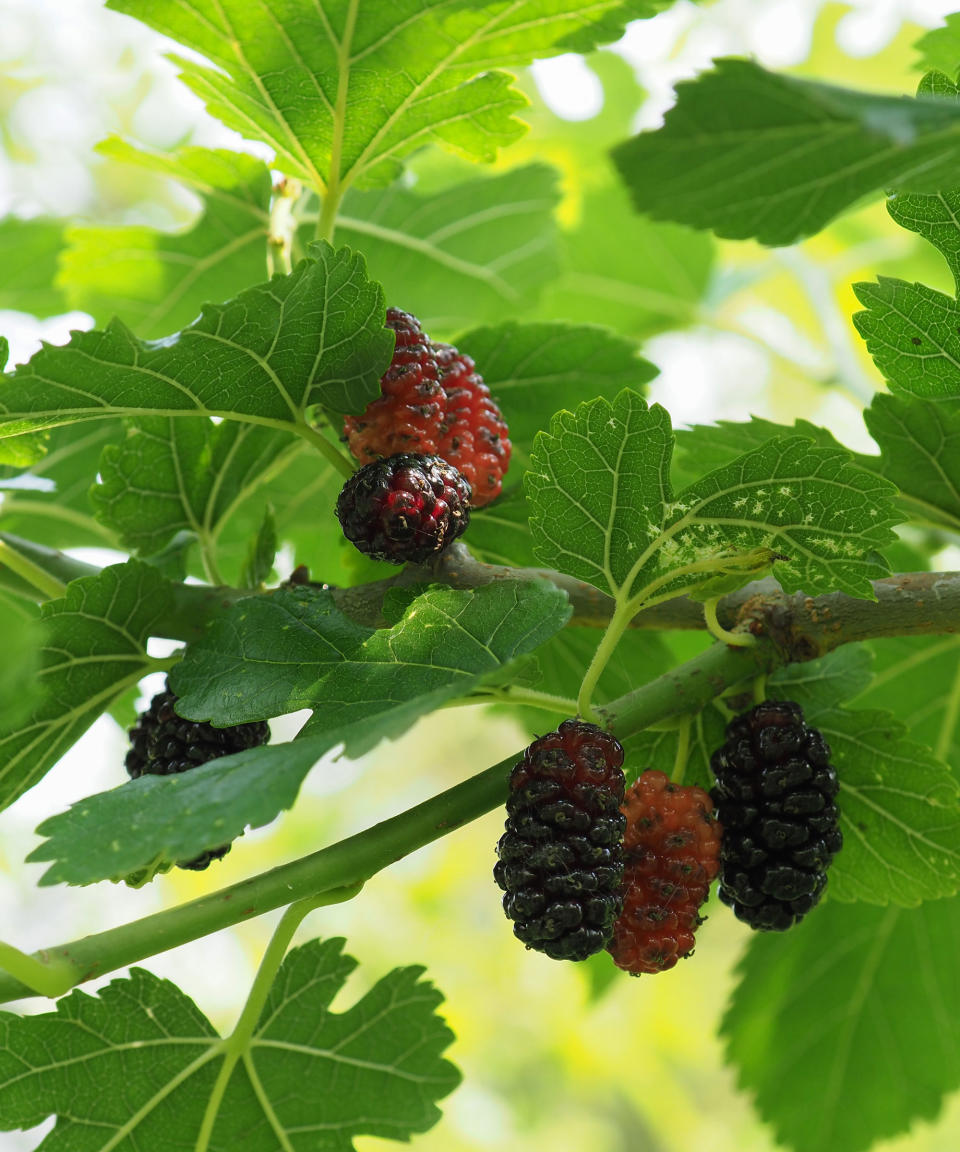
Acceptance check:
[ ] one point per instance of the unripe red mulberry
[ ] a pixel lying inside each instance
(433, 402)
(561, 855)
(671, 854)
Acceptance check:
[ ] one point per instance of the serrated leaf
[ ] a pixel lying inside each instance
(156, 281)
(533, 370)
(750, 153)
(29, 250)
(820, 685)
(704, 447)
(173, 475)
(289, 650)
(313, 337)
(920, 453)
(344, 92)
(21, 649)
(601, 509)
(477, 251)
(853, 1008)
(93, 650)
(375, 1068)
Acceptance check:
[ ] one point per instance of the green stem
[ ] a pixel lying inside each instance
(683, 750)
(236, 1044)
(563, 705)
(343, 464)
(48, 978)
(715, 628)
(356, 859)
(619, 623)
(48, 585)
(760, 688)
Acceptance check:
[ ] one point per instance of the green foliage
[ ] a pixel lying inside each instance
(93, 650)
(28, 253)
(374, 1069)
(750, 153)
(848, 1009)
(603, 510)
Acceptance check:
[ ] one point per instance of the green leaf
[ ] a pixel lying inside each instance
(344, 92)
(21, 633)
(375, 1068)
(634, 274)
(480, 250)
(175, 475)
(158, 282)
(313, 337)
(657, 749)
(820, 685)
(940, 47)
(29, 250)
(751, 153)
(920, 453)
(56, 511)
(704, 447)
(93, 650)
(852, 1009)
(918, 679)
(602, 510)
(263, 550)
(287, 650)
(500, 533)
(532, 370)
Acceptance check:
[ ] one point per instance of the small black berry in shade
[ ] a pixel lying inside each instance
(561, 856)
(164, 744)
(775, 796)
(404, 509)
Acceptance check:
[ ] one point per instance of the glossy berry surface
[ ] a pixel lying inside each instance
(671, 853)
(405, 509)
(433, 402)
(775, 798)
(561, 855)
(164, 744)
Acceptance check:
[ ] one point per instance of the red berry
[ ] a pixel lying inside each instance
(671, 854)
(404, 509)
(433, 402)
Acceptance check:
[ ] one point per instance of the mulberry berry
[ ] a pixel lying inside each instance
(164, 744)
(774, 796)
(433, 402)
(561, 856)
(671, 854)
(405, 508)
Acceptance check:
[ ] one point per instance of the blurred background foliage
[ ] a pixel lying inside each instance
(557, 1057)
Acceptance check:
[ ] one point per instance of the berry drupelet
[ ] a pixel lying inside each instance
(671, 854)
(405, 509)
(775, 798)
(561, 857)
(164, 744)
(433, 402)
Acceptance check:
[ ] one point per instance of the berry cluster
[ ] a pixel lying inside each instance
(561, 857)
(671, 854)
(774, 796)
(433, 402)
(404, 509)
(163, 744)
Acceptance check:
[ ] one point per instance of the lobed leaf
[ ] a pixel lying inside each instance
(343, 92)
(93, 650)
(750, 153)
(157, 281)
(375, 1068)
(852, 1009)
(313, 337)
